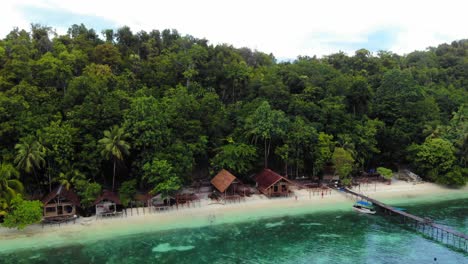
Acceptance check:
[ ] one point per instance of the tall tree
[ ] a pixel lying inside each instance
(114, 147)
(266, 124)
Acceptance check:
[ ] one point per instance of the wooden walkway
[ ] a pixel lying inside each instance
(426, 226)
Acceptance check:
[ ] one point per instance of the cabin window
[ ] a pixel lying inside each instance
(68, 209)
(50, 209)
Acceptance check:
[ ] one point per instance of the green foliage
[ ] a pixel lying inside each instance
(177, 98)
(266, 124)
(58, 139)
(23, 213)
(323, 151)
(127, 191)
(160, 173)
(167, 186)
(457, 177)
(4, 207)
(10, 186)
(88, 191)
(69, 177)
(113, 146)
(235, 157)
(343, 161)
(386, 173)
(30, 155)
(434, 158)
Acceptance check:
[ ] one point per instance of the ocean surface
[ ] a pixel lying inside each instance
(341, 236)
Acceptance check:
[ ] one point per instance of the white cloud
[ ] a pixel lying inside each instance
(285, 28)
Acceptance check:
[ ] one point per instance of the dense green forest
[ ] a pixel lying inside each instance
(157, 110)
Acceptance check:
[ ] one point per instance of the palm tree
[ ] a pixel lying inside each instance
(10, 186)
(68, 178)
(114, 147)
(30, 155)
(3, 207)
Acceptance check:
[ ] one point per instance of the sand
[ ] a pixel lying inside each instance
(206, 212)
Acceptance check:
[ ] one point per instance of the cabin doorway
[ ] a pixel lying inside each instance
(59, 210)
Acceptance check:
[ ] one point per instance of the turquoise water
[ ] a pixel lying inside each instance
(327, 237)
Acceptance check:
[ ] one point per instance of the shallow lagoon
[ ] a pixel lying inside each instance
(340, 236)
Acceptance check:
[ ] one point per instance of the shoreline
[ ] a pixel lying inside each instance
(257, 207)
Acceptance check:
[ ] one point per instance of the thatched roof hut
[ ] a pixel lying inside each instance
(60, 202)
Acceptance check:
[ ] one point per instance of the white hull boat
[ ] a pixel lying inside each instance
(362, 209)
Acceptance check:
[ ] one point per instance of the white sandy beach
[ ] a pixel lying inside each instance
(205, 213)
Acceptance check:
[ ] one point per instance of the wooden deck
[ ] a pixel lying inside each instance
(426, 226)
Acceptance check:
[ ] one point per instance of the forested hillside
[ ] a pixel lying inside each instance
(156, 110)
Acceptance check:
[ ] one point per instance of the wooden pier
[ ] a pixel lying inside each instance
(426, 226)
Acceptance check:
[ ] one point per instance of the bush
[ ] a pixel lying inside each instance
(457, 177)
(24, 213)
(386, 173)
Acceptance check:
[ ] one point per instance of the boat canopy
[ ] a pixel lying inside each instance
(364, 203)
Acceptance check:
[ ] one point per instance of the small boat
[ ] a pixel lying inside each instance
(363, 207)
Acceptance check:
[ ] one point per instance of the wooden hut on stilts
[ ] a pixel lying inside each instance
(228, 185)
(272, 184)
(61, 203)
(107, 204)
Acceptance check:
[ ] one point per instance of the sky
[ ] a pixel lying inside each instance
(285, 28)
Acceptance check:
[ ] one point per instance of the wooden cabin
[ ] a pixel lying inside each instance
(60, 203)
(272, 184)
(107, 203)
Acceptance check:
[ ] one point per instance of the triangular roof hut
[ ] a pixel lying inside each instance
(108, 196)
(60, 202)
(223, 180)
(227, 184)
(271, 183)
(106, 204)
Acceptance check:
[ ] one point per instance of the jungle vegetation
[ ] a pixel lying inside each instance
(157, 110)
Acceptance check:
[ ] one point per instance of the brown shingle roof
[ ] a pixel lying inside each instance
(109, 196)
(266, 178)
(222, 180)
(62, 192)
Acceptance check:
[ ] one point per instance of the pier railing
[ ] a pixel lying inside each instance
(426, 226)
